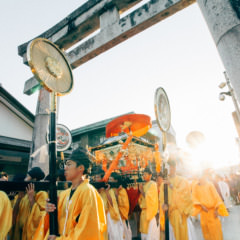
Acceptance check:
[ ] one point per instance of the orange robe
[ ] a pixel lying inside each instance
(180, 205)
(207, 196)
(5, 215)
(81, 217)
(148, 204)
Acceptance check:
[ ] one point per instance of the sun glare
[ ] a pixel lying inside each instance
(212, 154)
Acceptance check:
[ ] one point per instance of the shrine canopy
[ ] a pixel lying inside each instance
(135, 124)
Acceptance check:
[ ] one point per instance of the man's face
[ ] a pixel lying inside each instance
(28, 178)
(147, 176)
(71, 171)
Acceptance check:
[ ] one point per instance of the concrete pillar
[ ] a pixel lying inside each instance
(41, 159)
(224, 24)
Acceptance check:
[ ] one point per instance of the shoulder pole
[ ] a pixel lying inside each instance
(52, 165)
(165, 174)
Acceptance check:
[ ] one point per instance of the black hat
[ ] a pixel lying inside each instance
(36, 172)
(116, 176)
(147, 170)
(80, 156)
(97, 170)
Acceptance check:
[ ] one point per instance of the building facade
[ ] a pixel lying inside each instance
(16, 127)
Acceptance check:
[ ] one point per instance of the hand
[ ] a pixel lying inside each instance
(204, 208)
(51, 237)
(166, 181)
(50, 207)
(215, 213)
(12, 194)
(164, 207)
(108, 187)
(31, 193)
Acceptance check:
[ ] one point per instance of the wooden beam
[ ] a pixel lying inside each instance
(80, 23)
(114, 30)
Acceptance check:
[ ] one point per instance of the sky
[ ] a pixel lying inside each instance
(177, 54)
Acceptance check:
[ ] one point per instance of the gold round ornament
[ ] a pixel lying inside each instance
(162, 109)
(50, 66)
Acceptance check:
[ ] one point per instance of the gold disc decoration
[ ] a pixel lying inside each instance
(63, 138)
(50, 66)
(162, 109)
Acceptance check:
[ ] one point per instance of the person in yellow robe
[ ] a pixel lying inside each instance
(179, 202)
(28, 208)
(5, 215)
(123, 205)
(209, 205)
(159, 182)
(96, 177)
(122, 202)
(81, 213)
(148, 202)
(114, 220)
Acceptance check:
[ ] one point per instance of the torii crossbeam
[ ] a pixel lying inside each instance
(102, 17)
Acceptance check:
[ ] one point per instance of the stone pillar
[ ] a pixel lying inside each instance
(41, 125)
(222, 17)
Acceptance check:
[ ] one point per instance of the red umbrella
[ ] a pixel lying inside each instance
(137, 124)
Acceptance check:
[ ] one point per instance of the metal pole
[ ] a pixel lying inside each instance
(233, 95)
(52, 165)
(165, 174)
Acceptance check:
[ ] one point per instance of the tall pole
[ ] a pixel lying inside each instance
(165, 174)
(52, 165)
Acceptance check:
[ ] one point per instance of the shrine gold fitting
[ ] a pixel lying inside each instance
(53, 67)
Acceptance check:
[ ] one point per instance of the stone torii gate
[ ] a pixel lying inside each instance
(97, 26)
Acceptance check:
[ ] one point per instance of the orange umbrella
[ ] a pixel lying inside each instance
(137, 124)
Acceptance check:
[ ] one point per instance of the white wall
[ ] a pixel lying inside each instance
(11, 125)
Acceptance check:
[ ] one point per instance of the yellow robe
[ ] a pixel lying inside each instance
(180, 205)
(113, 209)
(28, 219)
(148, 204)
(5, 215)
(161, 214)
(85, 205)
(207, 196)
(123, 203)
(105, 203)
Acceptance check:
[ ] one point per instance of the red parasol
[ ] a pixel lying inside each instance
(137, 124)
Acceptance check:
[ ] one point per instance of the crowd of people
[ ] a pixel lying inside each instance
(118, 212)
